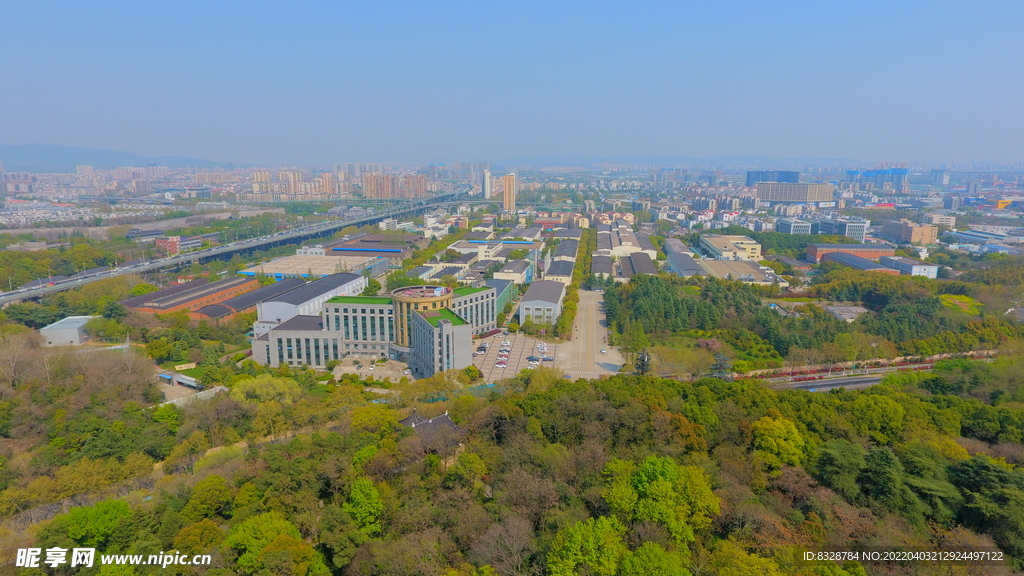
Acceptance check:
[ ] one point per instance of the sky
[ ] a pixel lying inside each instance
(313, 83)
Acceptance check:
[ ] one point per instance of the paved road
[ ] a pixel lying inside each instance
(581, 357)
(828, 384)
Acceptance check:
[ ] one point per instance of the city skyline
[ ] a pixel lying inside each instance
(416, 84)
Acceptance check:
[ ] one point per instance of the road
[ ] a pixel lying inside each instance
(860, 381)
(581, 357)
(294, 235)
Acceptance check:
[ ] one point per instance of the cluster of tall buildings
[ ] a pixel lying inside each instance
(292, 185)
(377, 185)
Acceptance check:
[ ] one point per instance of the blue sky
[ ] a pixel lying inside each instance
(323, 82)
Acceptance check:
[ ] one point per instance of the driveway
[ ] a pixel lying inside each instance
(581, 357)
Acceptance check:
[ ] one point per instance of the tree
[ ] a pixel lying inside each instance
(777, 442)
(593, 546)
(266, 388)
(883, 479)
(187, 452)
(660, 491)
(838, 465)
(92, 525)
(211, 496)
(159, 350)
(288, 555)
(650, 559)
(248, 539)
(372, 287)
(365, 506)
(114, 311)
(506, 545)
(199, 537)
(141, 289)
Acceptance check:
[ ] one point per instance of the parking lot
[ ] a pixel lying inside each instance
(391, 369)
(519, 349)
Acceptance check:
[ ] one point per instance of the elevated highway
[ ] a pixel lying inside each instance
(225, 251)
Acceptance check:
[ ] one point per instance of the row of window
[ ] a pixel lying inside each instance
(298, 351)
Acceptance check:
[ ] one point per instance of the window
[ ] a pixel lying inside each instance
(289, 341)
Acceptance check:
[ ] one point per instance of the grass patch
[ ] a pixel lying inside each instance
(691, 290)
(964, 304)
(196, 372)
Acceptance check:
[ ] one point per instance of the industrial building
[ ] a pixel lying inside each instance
(815, 252)
(430, 327)
(247, 302)
(517, 271)
(682, 264)
(742, 271)
(637, 263)
(67, 332)
(601, 266)
(305, 300)
(858, 263)
(190, 295)
(567, 250)
(560, 271)
(542, 303)
(730, 247)
(310, 264)
(676, 246)
(910, 266)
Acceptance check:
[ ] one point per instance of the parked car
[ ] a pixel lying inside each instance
(603, 351)
(533, 358)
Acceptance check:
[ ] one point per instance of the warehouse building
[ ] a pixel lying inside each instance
(560, 271)
(67, 332)
(310, 263)
(858, 263)
(910, 266)
(247, 302)
(730, 247)
(682, 264)
(815, 252)
(542, 303)
(190, 296)
(305, 300)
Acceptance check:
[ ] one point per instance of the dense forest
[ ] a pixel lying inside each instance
(625, 476)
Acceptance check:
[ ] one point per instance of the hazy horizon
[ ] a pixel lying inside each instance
(261, 84)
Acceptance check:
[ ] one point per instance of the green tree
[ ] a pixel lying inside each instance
(880, 417)
(248, 539)
(211, 496)
(650, 559)
(838, 465)
(365, 506)
(593, 546)
(660, 491)
(199, 537)
(266, 388)
(92, 525)
(159, 350)
(883, 480)
(372, 287)
(777, 442)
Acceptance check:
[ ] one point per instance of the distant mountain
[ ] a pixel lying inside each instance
(682, 161)
(56, 158)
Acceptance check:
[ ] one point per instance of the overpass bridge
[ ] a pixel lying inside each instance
(226, 251)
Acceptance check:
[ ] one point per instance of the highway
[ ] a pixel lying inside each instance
(290, 236)
(860, 381)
